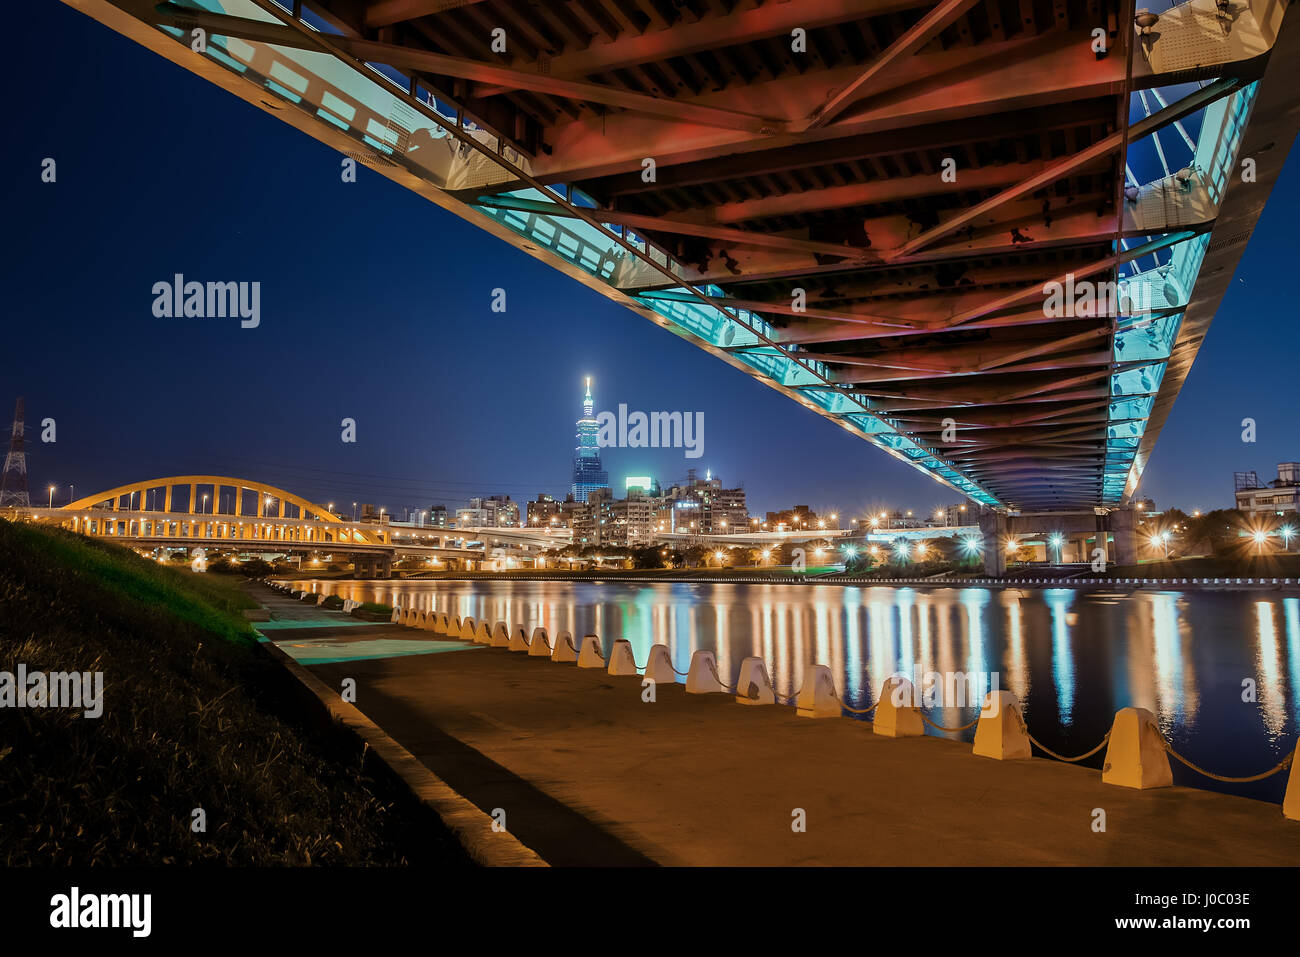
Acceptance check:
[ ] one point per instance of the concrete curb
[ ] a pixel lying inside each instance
(469, 825)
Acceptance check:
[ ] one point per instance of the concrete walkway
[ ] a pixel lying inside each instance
(587, 773)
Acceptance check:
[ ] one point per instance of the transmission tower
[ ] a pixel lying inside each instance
(13, 483)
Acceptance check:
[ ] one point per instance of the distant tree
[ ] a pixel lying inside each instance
(1217, 532)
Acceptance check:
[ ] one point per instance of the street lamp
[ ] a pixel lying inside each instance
(205, 504)
(1057, 541)
(51, 496)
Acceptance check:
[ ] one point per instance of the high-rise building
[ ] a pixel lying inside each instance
(494, 511)
(703, 505)
(587, 473)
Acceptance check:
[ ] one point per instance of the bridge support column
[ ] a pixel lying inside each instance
(385, 567)
(1123, 526)
(993, 526)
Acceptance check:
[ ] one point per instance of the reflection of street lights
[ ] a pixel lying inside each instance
(205, 505)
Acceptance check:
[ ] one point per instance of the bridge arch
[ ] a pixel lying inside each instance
(261, 490)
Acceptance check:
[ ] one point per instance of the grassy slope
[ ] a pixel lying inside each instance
(192, 718)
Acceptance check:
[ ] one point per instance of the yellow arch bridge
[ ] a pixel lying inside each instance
(217, 511)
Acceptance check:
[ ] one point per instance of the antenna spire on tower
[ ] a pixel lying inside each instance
(13, 483)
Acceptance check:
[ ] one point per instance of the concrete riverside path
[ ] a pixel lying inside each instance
(588, 773)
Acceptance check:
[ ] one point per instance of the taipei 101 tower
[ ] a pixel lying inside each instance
(587, 473)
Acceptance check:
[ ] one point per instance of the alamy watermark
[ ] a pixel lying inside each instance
(652, 430)
(179, 299)
(1085, 299)
(947, 689)
(57, 689)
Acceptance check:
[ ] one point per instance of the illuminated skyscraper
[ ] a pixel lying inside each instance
(587, 473)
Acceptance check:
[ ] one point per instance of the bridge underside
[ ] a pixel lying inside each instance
(863, 204)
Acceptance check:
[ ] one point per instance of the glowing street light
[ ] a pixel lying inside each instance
(52, 496)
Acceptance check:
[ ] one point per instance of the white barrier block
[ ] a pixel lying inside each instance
(591, 654)
(482, 634)
(1135, 753)
(518, 639)
(817, 697)
(539, 647)
(500, 636)
(621, 659)
(564, 652)
(659, 666)
(702, 675)
(1001, 733)
(753, 686)
(896, 715)
(396, 617)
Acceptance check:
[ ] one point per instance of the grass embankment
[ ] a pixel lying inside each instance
(195, 715)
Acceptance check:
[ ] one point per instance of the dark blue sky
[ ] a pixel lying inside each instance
(376, 305)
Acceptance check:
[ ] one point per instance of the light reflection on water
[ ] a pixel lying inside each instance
(1072, 658)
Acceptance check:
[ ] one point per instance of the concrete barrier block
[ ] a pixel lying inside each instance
(659, 666)
(817, 697)
(1135, 753)
(482, 633)
(438, 623)
(621, 659)
(539, 647)
(468, 629)
(1291, 801)
(896, 715)
(430, 622)
(396, 616)
(702, 675)
(591, 654)
(753, 685)
(518, 640)
(320, 599)
(564, 652)
(500, 635)
(1001, 733)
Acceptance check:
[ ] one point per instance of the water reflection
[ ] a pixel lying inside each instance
(1071, 657)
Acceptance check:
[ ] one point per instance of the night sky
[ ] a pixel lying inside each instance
(376, 305)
